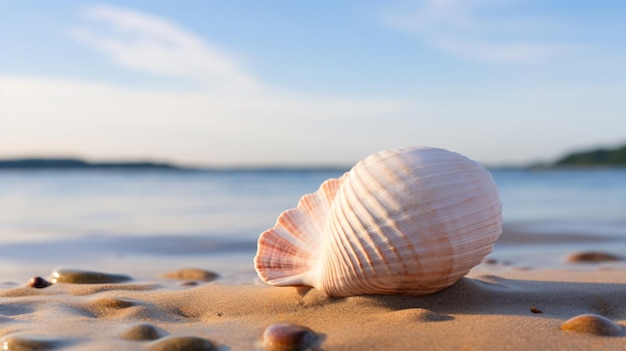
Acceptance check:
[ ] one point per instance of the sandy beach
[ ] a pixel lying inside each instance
(544, 271)
(498, 306)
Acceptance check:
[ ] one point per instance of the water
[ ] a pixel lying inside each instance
(149, 221)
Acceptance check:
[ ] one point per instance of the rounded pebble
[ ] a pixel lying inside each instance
(23, 342)
(592, 324)
(114, 302)
(38, 283)
(288, 337)
(188, 283)
(141, 331)
(592, 257)
(182, 343)
(192, 274)
(77, 276)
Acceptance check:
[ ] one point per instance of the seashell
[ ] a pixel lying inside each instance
(403, 221)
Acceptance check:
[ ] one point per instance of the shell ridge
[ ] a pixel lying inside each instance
(344, 248)
(287, 253)
(392, 228)
(344, 243)
(358, 211)
(368, 181)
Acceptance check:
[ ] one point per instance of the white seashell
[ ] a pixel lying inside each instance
(404, 221)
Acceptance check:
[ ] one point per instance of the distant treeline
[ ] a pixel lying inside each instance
(592, 158)
(77, 164)
(598, 157)
(69, 163)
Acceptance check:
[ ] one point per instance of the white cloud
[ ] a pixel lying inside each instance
(233, 119)
(60, 117)
(150, 44)
(237, 119)
(466, 29)
(103, 121)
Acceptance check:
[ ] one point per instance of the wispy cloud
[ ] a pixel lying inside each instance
(469, 29)
(153, 45)
(60, 116)
(233, 118)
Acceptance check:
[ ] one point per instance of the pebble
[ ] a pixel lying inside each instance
(141, 331)
(77, 276)
(192, 274)
(188, 283)
(182, 343)
(592, 257)
(114, 302)
(592, 324)
(38, 283)
(288, 337)
(24, 342)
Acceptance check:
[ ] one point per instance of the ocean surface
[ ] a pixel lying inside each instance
(147, 222)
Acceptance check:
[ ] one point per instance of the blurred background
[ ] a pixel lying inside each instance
(324, 82)
(240, 107)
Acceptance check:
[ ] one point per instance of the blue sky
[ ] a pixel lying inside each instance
(325, 82)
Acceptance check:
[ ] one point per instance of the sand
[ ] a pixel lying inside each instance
(494, 308)
(575, 300)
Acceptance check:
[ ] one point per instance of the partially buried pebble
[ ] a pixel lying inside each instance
(141, 331)
(192, 274)
(26, 342)
(592, 324)
(114, 303)
(182, 343)
(78, 276)
(38, 283)
(288, 337)
(592, 257)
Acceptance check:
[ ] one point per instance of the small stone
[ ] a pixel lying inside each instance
(288, 337)
(77, 276)
(188, 283)
(535, 310)
(141, 331)
(114, 303)
(38, 283)
(592, 324)
(592, 257)
(192, 274)
(182, 343)
(25, 342)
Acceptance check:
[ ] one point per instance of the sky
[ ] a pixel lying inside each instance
(505, 82)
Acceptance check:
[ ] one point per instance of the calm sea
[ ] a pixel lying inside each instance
(151, 221)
